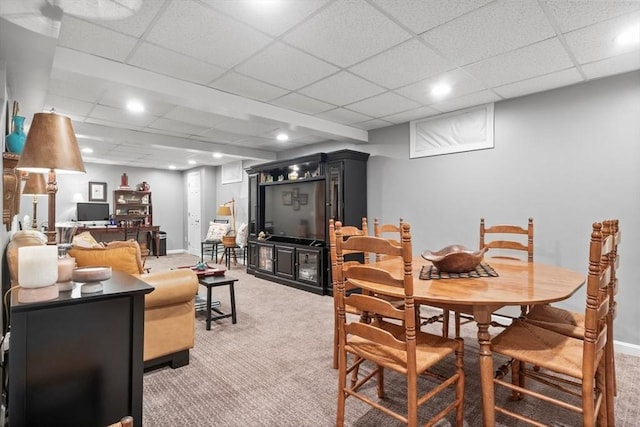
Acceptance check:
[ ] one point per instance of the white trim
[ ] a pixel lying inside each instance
(626, 348)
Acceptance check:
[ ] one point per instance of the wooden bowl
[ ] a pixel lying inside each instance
(91, 274)
(455, 259)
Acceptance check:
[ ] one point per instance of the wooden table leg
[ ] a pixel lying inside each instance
(482, 316)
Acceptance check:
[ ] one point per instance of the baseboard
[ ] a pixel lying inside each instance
(626, 348)
(176, 251)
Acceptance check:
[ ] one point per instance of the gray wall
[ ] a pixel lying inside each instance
(566, 157)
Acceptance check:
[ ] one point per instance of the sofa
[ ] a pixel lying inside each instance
(169, 318)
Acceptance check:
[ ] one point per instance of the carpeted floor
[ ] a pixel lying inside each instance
(273, 368)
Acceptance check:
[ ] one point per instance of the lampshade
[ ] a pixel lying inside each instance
(35, 185)
(224, 210)
(51, 145)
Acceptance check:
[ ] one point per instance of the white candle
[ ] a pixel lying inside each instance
(37, 266)
(65, 268)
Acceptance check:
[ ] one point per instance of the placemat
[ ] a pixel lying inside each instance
(428, 272)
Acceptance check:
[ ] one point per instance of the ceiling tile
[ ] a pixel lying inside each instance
(383, 105)
(470, 100)
(610, 66)
(196, 117)
(136, 24)
(571, 15)
(65, 106)
(342, 115)
(118, 97)
(154, 58)
(491, 30)
(347, 32)
(539, 84)
(401, 65)
(117, 115)
(531, 61)
(90, 38)
(284, 66)
(75, 86)
(372, 124)
(113, 123)
(203, 33)
(244, 127)
(597, 41)
(216, 135)
(341, 89)
(272, 17)
(246, 86)
(406, 116)
(176, 126)
(302, 104)
(415, 14)
(460, 81)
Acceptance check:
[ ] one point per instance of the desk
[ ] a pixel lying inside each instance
(153, 232)
(519, 283)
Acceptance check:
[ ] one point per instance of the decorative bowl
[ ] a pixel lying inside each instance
(455, 258)
(91, 274)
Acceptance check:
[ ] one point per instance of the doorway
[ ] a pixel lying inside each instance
(194, 213)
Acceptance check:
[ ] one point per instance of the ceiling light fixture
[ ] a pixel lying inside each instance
(217, 155)
(441, 89)
(282, 137)
(135, 106)
(87, 150)
(192, 162)
(628, 37)
(172, 167)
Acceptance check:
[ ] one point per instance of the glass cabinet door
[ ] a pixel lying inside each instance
(253, 205)
(334, 198)
(308, 265)
(265, 258)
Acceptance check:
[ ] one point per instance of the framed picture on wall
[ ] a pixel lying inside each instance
(287, 200)
(97, 191)
(231, 172)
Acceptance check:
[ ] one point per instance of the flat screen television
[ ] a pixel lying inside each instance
(92, 211)
(295, 209)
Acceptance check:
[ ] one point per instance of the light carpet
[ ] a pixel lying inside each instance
(273, 368)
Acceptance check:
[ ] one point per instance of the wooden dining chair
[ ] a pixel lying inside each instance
(389, 231)
(572, 323)
(353, 257)
(574, 367)
(393, 344)
(132, 232)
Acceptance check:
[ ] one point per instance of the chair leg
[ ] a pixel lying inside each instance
(460, 383)
(445, 323)
(380, 385)
(342, 383)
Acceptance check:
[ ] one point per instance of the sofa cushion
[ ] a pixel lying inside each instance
(217, 230)
(241, 235)
(123, 256)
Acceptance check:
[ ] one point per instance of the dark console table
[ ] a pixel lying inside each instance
(77, 360)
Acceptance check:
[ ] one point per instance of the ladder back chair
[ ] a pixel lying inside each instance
(132, 232)
(389, 344)
(347, 232)
(383, 230)
(572, 324)
(571, 365)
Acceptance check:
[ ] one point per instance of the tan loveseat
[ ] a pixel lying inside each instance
(169, 318)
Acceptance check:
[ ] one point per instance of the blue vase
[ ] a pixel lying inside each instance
(15, 140)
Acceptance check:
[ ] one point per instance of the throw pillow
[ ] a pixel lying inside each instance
(241, 235)
(216, 231)
(85, 240)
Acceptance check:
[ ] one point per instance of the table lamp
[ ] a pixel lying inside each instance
(229, 209)
(52, 148)
(35, 186)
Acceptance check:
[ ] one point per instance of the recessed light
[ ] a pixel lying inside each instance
(440, 89)
(217, 155)
(629, 37)
(172, 166)
(87, 150)
(135, 106)
(282, 137)
(192, 162)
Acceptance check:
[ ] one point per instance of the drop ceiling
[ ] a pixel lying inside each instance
(227, 76)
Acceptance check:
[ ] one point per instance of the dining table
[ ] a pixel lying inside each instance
(517, 283)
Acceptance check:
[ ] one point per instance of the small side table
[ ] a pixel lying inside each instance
(213, 282)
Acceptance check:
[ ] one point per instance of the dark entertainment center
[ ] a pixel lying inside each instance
(291, 201)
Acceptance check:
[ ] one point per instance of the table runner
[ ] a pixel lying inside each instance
(428, 272)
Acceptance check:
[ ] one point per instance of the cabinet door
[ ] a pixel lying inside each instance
(265, 257)
(252, 255)
(285, 261)
(334, 191)
(253, 205)
(308, 266)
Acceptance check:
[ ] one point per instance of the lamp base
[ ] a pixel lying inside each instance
(29, 295)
